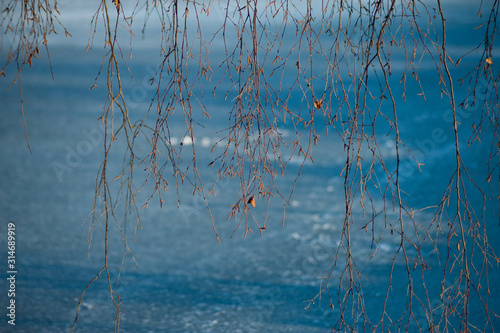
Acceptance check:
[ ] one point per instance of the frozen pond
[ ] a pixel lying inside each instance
(185, 280)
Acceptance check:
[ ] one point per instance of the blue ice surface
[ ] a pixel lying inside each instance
(185, 281)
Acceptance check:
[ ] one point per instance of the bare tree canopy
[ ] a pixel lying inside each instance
(289, 76)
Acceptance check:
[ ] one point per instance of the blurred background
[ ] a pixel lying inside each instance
(185, 281)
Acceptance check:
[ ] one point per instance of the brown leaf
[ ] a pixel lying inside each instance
(318, 103)
(251, 201)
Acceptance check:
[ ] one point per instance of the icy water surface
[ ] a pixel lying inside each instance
(185, 281)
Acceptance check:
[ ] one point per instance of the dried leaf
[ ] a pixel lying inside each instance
(318, 103)
(251, 201)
